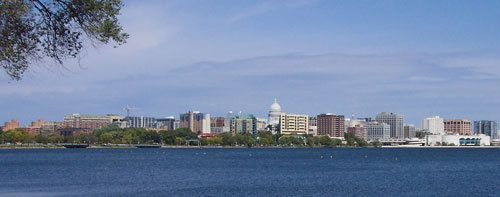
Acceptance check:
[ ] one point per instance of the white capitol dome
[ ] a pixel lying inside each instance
(275, 107)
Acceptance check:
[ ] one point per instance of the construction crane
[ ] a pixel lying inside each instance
(128, 108)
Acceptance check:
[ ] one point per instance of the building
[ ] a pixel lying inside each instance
(393, 120)
(220, 125)
(274, 115)
(410, 131)
(196, 121)
(14, 124)
(51, 126)
(177, 124)
(243, 123)
(487, 127)
(90, 121)
(458, 126)
(166, 123)
(378, 131)
(433, 125)
(358, 131)
(261, 124)
(313, 125)
(294, 124)
(32, 130)
(330, 125)
(141, 122)
(457, 140)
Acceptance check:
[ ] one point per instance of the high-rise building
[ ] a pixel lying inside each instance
(410, 131)
(165, 123)
(196, 121)
(460, 126)
(487, 127)
(220, 125)
(274, 115)
(358, 131)
(433, 125)
(243, 123)
(294, 124)
(14, 124)
(378, 131)
(331, 125)
(141, 122)
(313, 125)
(52, 126)
(393, 120)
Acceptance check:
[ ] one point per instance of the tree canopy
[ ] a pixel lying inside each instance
(33, 30)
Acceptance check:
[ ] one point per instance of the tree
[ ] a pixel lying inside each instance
(105, 138)
(31, 30)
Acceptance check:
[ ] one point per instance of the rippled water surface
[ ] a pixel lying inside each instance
(250, 172)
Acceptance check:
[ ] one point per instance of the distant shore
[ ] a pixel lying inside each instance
(54, 146)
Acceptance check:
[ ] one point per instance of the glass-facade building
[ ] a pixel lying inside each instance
(487, 127)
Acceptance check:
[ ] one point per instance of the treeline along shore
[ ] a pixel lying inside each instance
(116, 137)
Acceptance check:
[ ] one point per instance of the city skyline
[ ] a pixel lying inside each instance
(411, 58)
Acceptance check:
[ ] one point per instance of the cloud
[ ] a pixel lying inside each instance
(266, 7)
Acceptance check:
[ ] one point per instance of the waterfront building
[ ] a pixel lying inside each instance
(459, 126)
(330, 125)
(274, 115)
(196, 121)
(51, 126)
(73, 131)
(378, 131)
(220, 125)
(14, 124)
(90, 121)
(410, 131)
(433, 125)
(32, 130)
(358, 131)
(243, 123)
(313, 125)
(165, 123)
(487, 127)
(177, 124)
(294, 124)
(455, 139)
(261, 124)
(395, 121)
(141, 122)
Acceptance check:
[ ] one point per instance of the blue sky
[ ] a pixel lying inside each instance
(416, 58)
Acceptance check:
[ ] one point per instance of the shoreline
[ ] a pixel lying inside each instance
(53, 146)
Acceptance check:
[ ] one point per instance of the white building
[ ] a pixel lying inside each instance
(274, 115)
(434, 125)
(378, 131)
(457, 140)
(395, 121)
(294, 124)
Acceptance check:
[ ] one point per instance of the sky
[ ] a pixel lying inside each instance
(415, 58)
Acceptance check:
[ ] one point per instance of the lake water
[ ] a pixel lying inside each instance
(250, 172)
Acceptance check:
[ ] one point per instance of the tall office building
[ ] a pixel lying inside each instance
(220, 125)
(378, 131)
(330, 125)
(410, 131)
(294, 124)
(243, 123)
(460, 126)
(393, 120)
(433, 125)
(165, 123)
(141, 122)
(196, 121)
(487, 127)
(313, 125)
